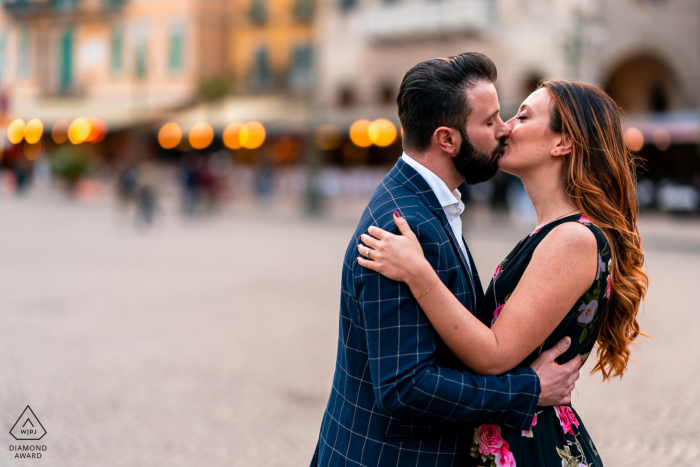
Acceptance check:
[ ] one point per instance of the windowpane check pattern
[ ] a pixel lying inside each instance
(399, 395)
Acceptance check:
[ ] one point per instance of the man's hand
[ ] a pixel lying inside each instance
(556, 381)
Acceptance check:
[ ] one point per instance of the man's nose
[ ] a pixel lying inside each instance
(504, 130)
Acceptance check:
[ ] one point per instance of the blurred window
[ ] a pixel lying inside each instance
(117, 50)
(113, 3)
(141, 52)
(258, 12)
(346, 97)
(66, 63)
(387, 94)
(530, 84)
(176, 44)
(302, 67)
(23, 54)
(346, 5)
(2, 54)
(658, 102)
(262, 72)
(304, 10)
(64, 5)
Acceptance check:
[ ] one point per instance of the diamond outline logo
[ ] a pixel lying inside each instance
(28, 419)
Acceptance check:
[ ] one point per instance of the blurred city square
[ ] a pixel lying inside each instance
(179, 180)
(214, 343)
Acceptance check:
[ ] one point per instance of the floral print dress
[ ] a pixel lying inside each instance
(557, 437)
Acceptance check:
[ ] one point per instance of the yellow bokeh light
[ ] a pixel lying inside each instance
(15, 132)
(32, 151)
(359, 133)
(95, 130)
(79, 130)
(33, 131)
(381, 132)
(232, 134)
(201, 135)
(169, 135)
(252, 135)
(635, 139)
(104, 130)
(59, 131)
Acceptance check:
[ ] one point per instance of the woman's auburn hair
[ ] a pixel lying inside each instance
(600, 176)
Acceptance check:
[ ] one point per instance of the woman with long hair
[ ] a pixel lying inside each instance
(578, 274)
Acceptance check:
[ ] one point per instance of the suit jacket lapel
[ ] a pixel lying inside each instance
(408, 177)
(479, 290)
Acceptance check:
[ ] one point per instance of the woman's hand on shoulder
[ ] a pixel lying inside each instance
(398, 257)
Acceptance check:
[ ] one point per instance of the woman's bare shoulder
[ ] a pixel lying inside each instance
(571, 242)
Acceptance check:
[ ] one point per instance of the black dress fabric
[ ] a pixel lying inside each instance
(557, 437)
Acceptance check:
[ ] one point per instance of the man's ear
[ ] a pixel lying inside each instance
(447, 139)
(563, 147)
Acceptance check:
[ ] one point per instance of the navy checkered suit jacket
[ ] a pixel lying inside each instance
(400, 396)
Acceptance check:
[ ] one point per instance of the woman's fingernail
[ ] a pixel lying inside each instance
(397, 214)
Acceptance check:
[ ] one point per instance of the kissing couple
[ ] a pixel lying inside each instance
(432, 371)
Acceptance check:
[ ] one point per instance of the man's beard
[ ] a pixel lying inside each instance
(476, 166)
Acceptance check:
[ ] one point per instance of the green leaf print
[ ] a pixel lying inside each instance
(584, 334)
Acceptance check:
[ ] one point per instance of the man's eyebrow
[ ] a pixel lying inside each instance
(493, 115)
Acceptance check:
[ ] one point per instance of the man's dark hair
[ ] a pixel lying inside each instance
(434, 94)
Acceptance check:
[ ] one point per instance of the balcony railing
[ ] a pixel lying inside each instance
(407, 19)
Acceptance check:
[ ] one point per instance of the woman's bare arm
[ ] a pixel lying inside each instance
(562, 268)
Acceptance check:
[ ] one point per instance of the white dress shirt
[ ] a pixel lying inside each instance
(451, 201)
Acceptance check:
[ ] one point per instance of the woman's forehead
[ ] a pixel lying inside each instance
(539, 99)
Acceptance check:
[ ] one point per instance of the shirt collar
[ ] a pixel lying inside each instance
(442, 193)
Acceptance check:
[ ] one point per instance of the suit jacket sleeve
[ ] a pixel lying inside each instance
(402, 345)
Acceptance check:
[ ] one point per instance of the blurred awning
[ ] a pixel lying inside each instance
(275, 112)
(682, 127)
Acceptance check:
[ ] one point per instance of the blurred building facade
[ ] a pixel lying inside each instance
(324, 65)
(646, 53)
(272, 45)
(120, 60)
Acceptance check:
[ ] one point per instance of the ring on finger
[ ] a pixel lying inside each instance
(369, 250)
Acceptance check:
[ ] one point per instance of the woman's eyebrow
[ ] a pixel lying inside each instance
(524, 106)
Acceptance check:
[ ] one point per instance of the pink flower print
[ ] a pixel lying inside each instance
(566, 418)
(490, 439)
(536, 230)
(608, 290)
(528, 433)
(584, 220)
(601, 267)
(583, 359)
(498, 272)
(587, 311)
(497, 311)
(504, 458)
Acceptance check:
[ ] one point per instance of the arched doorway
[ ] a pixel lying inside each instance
(643, 84)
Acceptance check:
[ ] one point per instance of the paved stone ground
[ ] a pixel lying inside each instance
(213, 342)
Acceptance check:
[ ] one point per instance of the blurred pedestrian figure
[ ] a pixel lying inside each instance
(127, 184)
(23, 172)
(146, 203)
(265, 179)
(189, 181)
